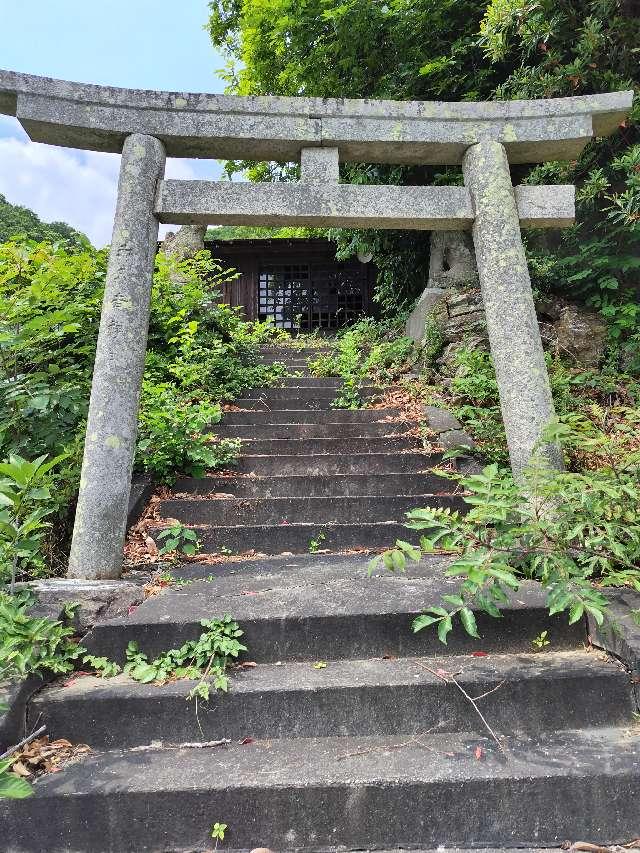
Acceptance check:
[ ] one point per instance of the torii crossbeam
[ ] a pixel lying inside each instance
(146, 126)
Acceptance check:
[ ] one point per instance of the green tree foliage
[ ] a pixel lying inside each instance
(248, 232)
(16, 220)
(200, 352)
(463, 50)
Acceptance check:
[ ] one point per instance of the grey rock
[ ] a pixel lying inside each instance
(16, 695)
(457, 328)
(581, 335)
(451, 262)
(102, 599)
(463, 310)
(440, 420)
(343, 205)
(425, 308)
(319, 166)
(186, 243)
(454, 438)
(105, 481)
(457, 299)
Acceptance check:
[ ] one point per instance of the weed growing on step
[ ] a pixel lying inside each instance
(30, 644)
(207, 657)
(371, 350)
(574, 533)
(541, 642)
(218, 831)
(316, 543)
(348, 397)
(33, 644)
(179, 539)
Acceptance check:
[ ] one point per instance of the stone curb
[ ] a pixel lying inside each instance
(620, 634)
(17, 695)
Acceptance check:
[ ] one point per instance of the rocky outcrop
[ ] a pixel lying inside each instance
(453, 302)
(573, 331)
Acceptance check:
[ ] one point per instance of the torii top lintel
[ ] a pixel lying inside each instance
(99, 118)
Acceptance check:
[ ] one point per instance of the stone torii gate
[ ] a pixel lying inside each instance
(147, 126)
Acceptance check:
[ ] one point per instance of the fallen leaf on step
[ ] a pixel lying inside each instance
(151, 546)
(479, 654)
(245, 741)
(321, 664)
(478, 752)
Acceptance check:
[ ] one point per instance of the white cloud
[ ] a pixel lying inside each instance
(62, 184)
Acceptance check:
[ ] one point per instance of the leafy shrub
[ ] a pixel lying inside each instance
(574, 532)
(172, 437)
(30, 644)
(25, 502)
(603, 396)
(200, 352)
(370, 349)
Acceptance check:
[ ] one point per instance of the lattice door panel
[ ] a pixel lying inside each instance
(284, 295)
(303, 296)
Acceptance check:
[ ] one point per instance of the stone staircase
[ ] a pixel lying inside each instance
(350, 732)
(310, 477)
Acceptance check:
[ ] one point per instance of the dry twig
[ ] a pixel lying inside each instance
(450, 678)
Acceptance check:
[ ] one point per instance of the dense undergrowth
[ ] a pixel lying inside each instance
(575, 532)
(200, 352)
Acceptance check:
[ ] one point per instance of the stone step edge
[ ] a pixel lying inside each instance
(358, 793)
(355, 673)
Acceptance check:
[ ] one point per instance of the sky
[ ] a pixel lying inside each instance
(140, 44)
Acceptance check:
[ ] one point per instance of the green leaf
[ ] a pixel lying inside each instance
(13, 787)
(576, 612)
(444, 628)
(144, 673)
(468, 620)
(423, 621)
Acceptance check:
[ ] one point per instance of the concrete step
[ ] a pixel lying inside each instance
(336, 485)
(296, 538)
(302, 391)
(336, 463)
(318, 446)
(354, 698)
(326, 607)
(310, 382)
(348, 430)
(362, 509)
(291, 352)
(289, 362)
(327, 793)
(310, 416)
(293, 404)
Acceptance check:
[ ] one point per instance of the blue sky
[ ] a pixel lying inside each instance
(134, 43)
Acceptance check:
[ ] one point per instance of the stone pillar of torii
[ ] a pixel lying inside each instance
(146, 127)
